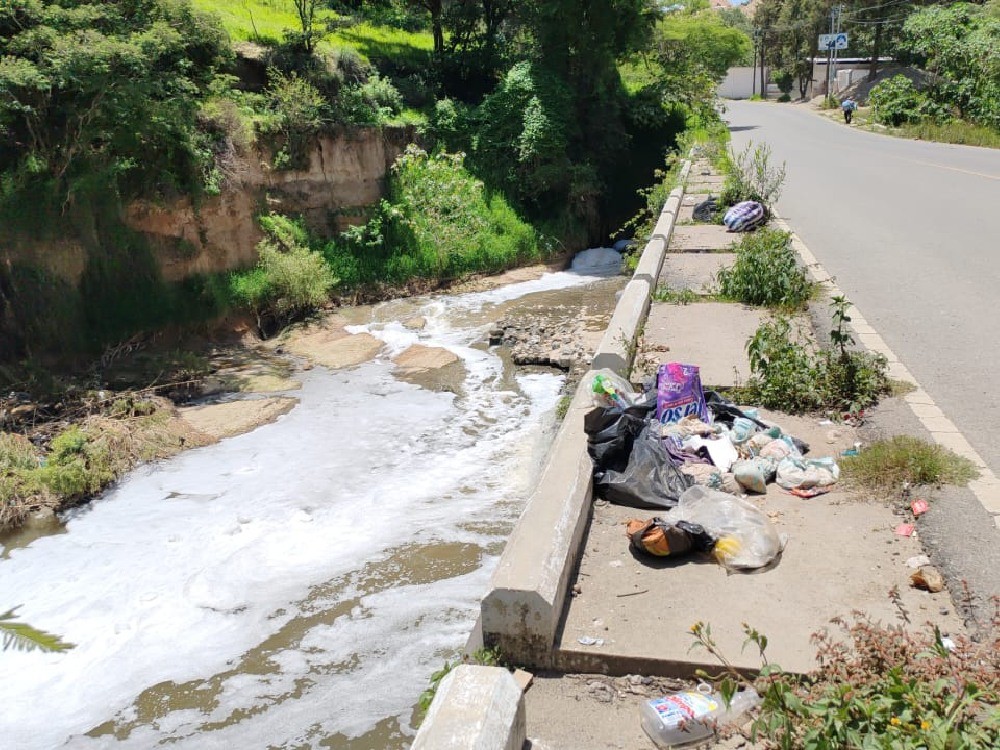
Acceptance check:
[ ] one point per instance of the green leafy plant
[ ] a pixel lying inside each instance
(896, 101)
(766, 272)
(20, 636)
(878, 686)
(784, 79)
(290, 281)
(298, 110)
(439, 222)
(788, 372)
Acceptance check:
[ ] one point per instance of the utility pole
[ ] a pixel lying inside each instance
(836, 52)
(763, 74)
(829, 58)
(756, 46)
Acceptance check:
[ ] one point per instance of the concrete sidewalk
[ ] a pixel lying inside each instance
(626, 628)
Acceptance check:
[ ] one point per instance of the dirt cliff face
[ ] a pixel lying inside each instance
(346, 173)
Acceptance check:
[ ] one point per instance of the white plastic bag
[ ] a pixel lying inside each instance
(804, 473)
(746, 538)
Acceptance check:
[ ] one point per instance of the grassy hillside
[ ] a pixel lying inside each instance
(267, 20)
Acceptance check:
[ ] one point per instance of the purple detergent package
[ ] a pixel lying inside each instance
(679, 393)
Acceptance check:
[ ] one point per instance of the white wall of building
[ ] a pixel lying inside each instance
(739, 83)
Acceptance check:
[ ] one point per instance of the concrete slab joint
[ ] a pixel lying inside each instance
(476, 708)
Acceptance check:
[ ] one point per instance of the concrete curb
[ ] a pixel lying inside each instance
(521, 613)
(944, 432)
(475, 708)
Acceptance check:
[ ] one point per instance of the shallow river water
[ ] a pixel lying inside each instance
(293, 587)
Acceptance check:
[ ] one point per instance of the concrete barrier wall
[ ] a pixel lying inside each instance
(521, 613)
(475, 708)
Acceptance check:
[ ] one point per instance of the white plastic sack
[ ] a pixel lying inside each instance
(803, 473)
(746, 538)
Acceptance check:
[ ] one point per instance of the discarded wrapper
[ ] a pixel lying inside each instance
(928, 577)
(905, 529)
(807, 493)
(919, 507)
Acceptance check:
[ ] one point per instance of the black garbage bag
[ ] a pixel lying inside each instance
(611, 431)
(706, 210)
(726, 412)
(650, 480)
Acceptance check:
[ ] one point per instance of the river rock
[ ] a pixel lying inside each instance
(236, 417)
(420, 358)
(330, 345)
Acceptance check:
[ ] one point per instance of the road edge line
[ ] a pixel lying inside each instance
(943, 431)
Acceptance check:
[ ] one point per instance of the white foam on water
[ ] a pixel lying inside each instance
(587, 267)
(189, 564)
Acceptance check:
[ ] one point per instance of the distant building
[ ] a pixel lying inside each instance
(846, 72)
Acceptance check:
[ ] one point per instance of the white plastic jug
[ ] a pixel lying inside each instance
(685, 718)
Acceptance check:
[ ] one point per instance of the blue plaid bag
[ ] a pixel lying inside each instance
(745, 216)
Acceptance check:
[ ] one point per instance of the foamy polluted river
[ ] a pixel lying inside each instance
(293, 587)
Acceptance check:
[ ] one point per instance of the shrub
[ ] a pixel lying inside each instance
(298, 279)
(766, 272)
(895, 101)
(439, 222)
(789, 373)
(784, 79)
(383, 95)
(298, 111)
(752, 177)
(879, 686)
(290, 280)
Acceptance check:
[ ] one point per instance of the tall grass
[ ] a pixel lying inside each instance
(885, 466)
(958, 131)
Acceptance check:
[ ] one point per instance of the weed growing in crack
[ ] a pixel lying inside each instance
(766, 273)
(790, 373)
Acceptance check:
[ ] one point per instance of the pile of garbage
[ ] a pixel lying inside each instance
(692, 453)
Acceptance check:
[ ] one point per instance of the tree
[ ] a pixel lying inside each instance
(306, 11)
(108, 87)
(960, 45)
(694, 52)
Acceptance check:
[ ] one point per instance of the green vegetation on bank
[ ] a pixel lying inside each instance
(84, 458)
(438, 223)
(105, 103)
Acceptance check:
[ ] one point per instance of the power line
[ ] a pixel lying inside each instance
(858, 11)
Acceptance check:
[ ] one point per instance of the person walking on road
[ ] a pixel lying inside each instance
(848, 105)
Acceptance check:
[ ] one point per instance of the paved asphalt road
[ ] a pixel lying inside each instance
(911, 232)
